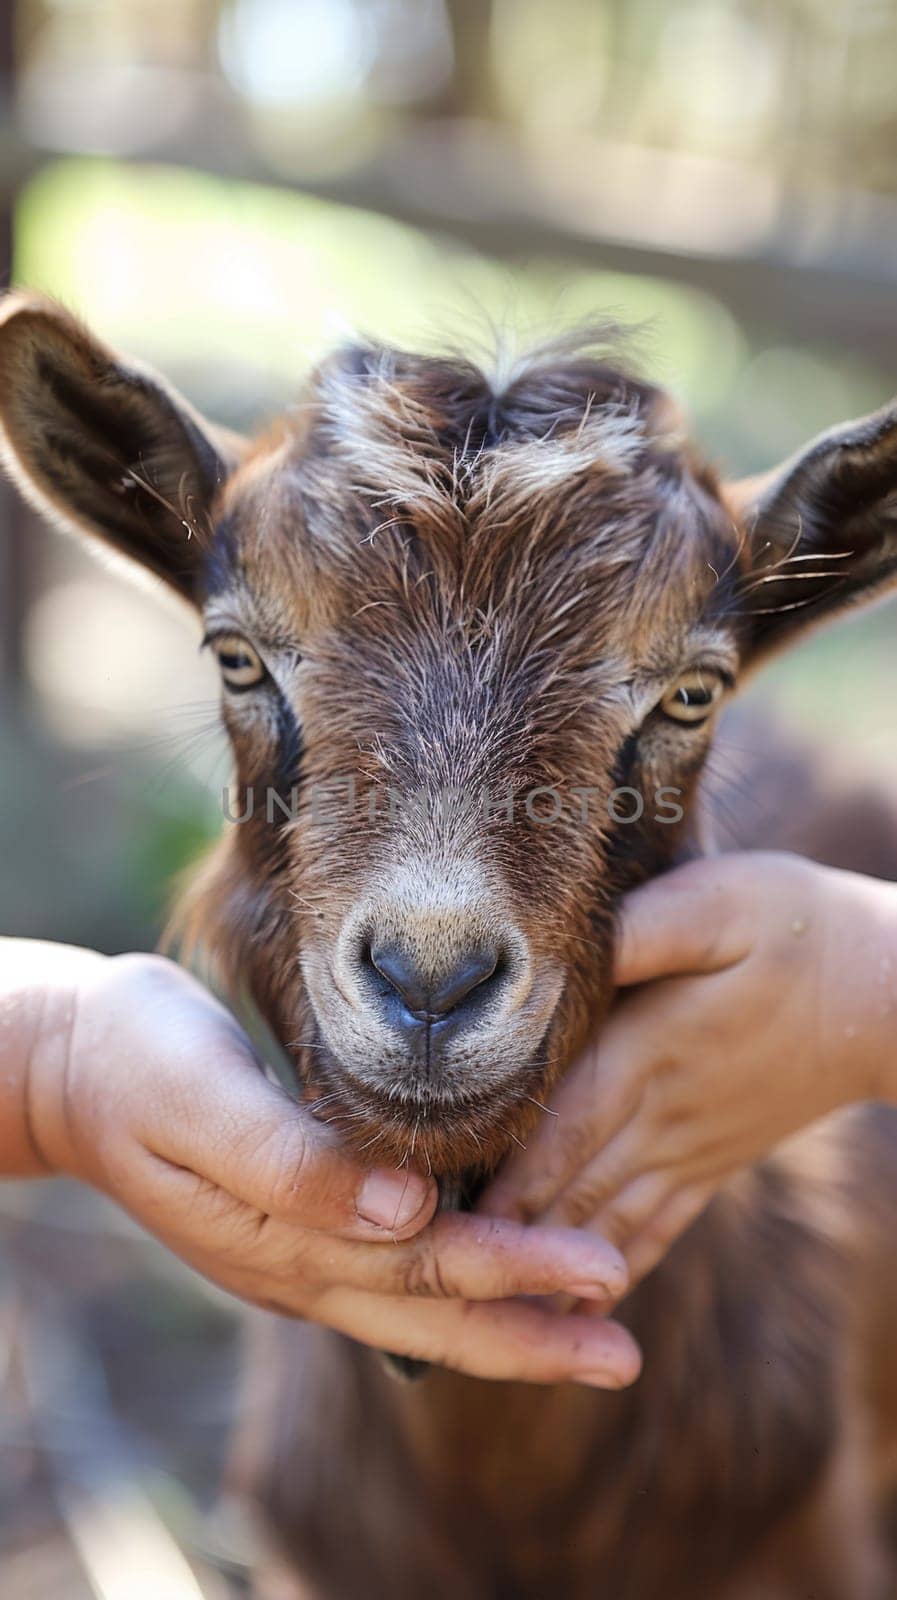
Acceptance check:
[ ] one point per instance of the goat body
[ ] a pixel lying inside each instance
(519, 594)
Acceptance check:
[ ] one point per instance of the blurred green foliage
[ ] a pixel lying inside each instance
(192, 266)
(242, 285)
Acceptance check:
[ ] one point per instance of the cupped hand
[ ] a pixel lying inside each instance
(150, 1091)
(762, 995)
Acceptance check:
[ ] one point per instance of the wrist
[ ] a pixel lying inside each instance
(40, 991)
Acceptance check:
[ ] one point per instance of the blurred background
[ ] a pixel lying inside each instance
(224, 187)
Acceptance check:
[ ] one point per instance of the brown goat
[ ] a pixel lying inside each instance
(520, 604)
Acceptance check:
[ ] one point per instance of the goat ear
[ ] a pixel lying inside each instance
(105, 447)
(822, 529)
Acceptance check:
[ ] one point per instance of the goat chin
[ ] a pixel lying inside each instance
(457, 1143)
(458, 1138)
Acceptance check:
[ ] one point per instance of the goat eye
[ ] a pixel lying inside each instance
(693, 698)
(241, 665)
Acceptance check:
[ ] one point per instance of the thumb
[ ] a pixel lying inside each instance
(689, 920)
(294, 1168)
(224, 1121)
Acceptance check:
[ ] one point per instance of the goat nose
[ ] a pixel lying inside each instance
(428, 999)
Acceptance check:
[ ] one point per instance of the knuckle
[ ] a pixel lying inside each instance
(620, 1217)
(421, 1276)
(582, 1203)
(287, 1160)
(146, 968)
(581, 1207)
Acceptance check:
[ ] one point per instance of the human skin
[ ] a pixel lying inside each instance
(760, 994)
(125, 1073)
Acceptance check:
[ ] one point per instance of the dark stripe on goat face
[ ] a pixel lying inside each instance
(222, 562)
(277, 788)
(640, 848)
(290, 748)
(623, 766)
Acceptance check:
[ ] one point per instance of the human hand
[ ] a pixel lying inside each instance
(764, 995)
(146, 1087)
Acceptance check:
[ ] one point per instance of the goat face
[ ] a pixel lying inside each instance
(484, 640)
(473, 640)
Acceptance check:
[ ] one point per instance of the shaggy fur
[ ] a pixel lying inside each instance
(466, 591)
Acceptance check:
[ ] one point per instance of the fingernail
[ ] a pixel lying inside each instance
(391, 1199)
(600, 1380)
(612, 1279)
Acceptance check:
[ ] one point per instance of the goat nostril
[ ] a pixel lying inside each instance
(475, 972)
(426, 998)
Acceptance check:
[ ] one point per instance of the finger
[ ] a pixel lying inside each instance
(224, 1121)
(462, 1257)
(650, 1245)
(506, 1339)
(595, 1102)
(617, 1206)
(469, 1257)
(685, 921)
